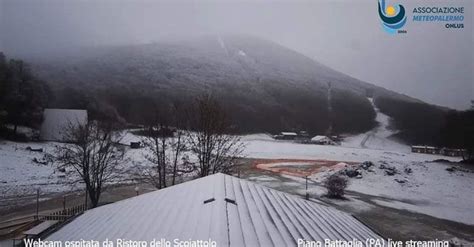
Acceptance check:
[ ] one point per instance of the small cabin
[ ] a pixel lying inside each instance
(453, 152)
(425, 149)
(286, 136)
(418, 149)
(435, 150)
(321, 140)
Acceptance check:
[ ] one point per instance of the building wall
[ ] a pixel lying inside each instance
(56, 122)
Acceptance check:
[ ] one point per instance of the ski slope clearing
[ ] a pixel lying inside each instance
(377, 138)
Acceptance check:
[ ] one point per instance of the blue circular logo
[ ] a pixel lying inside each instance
(393, 16)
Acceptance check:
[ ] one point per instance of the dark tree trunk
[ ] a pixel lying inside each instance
(94, 196)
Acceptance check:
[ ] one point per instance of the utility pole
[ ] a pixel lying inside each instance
(330, 118)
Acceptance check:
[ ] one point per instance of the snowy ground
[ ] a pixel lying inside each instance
(20, 176)
(263, 146)
(430, 189)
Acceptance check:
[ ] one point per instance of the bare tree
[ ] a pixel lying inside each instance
(92, 154)
(165, 141)
(209, 137)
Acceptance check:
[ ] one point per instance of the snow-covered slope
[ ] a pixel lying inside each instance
(377, 138)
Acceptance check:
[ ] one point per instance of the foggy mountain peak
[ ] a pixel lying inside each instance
(196, 61)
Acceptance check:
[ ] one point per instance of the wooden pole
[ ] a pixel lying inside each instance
(37, 203)
(306, 183)
(307, 194)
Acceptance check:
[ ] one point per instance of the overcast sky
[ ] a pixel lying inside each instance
(429, 62)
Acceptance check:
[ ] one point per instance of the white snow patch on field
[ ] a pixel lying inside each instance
(299, 164)
(263, 148)
(20, 176)
(429, 189)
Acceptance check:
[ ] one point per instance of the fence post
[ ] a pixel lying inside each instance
(37, 203)
(86, 198)
(64, 205)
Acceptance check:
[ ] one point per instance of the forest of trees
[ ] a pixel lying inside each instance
(22, 96)
(458, 132)
(296, 110)
(418, 123)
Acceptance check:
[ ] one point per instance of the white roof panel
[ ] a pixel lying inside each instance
(43, 226)
(259, 217)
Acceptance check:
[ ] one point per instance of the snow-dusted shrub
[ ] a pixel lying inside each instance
(336, 185)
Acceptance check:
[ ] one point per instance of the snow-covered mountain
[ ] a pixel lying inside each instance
(265, 86)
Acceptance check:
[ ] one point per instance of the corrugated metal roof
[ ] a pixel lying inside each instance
(56, 121)
(259, 217)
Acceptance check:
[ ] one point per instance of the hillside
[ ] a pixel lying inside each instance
(265, 86)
